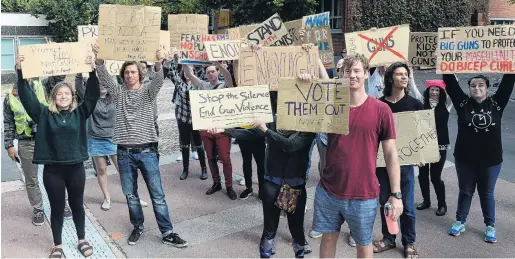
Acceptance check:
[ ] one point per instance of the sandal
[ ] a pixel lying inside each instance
(381, 246)
(410, 251)
(56, 253)
(85, 249)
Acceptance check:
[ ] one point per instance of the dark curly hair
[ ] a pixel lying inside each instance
(441, 100)
(388, 77)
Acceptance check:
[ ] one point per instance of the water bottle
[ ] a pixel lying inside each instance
(393, 225)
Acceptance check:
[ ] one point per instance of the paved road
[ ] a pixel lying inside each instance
(10, 171)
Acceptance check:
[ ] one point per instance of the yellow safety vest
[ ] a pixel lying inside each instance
(21, 118)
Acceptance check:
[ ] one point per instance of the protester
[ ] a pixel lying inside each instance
(287, 155)
(396, 80)
(215, 143)
(183, 115)
(61, 145)
(435, 98)
(249, 148)
(348, 188)
(134, 135)
(478, 149)
(19, 125)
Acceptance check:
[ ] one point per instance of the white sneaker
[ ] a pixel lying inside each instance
(352, 242)
(179, 158)
(315, 234)
(194, 155)
(106, 205)
(242, 182)
(143, 203)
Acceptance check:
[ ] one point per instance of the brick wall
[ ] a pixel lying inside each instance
(338, 43)
(501, 9)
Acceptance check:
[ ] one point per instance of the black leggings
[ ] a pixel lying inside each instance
(435, 170)
(57, 179)
(185, 133)
(271, 214)
(248, 149)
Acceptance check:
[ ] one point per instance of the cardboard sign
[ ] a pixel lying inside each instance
(422, 49)
(318, 106)
(222, 21)
(193, 50)
(88, 33)
(54, 59)
(382, 46)
(230, 107)
(416, 138)
(128, 32)
(266, 66)
(223, 50)
(239, 33)
(271, 32)
(178, 24)
(164, 41)
(293, 28)
(485, 49)
(318, 32)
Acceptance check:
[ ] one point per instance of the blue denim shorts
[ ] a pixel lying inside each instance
(101, 147)
(331, 212)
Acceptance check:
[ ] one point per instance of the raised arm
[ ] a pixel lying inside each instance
(103, 76)
(226, 74)
(502, 96)
(28, 98)
(91, 96)
(194, 79)
(157, 82)
(413, 90)
(453, 89)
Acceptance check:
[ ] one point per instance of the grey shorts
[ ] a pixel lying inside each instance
(331, 212)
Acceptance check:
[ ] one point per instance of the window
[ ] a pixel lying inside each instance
(8, 60)
(31, 41)
(335, 7)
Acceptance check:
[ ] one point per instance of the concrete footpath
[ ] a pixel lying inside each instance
(216, 226)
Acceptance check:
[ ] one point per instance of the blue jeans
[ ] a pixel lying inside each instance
(485, 178)
(408, 218)
(148, 164)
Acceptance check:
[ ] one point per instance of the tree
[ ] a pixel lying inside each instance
(14, 6)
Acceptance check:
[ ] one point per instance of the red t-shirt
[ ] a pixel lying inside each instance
(350, 170)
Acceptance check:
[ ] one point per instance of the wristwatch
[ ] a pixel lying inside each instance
(397, 195)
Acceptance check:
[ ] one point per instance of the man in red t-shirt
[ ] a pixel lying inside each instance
(349, 188)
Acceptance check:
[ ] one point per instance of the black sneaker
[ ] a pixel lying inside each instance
(67, 212)
(246, 194)
(38, 217)
(231, 193)
(175, 240)
(135, 235)
(216, 187)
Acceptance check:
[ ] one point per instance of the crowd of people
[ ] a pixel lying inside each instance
(114, 119)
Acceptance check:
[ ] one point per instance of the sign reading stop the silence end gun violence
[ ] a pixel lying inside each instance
(230, 107)
(476, 49)
(382, 46)
(317, 106)
(416, 140)
(54, 59)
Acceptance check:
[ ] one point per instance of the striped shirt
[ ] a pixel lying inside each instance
(134, 124)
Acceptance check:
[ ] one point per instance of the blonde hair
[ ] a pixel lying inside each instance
(350, 59)
(51, 102)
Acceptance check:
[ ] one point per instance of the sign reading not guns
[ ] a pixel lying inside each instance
(230, 107)
(416, 138)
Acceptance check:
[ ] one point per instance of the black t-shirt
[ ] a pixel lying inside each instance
(406, 104)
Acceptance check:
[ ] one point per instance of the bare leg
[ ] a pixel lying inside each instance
(365, 251)
(328, 245)
(101, 166)
(114, 160)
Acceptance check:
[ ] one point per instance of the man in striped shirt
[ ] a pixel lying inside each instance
(135, 134)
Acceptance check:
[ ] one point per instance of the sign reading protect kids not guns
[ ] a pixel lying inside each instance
(476, 49)
(382, 46)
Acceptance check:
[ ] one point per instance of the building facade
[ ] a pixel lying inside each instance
(501, 12)
(19, 29)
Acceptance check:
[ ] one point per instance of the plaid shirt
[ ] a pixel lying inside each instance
(181, 98)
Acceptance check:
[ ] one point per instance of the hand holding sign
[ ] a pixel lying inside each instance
(259, 125)
(215, 131)
(19, 59)
(302, 32)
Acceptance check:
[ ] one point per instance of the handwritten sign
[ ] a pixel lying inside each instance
(194, 24)
(266, 66)
(318, 32)
(230, 107)
(222, 21)
(54, 59)
(476, 50)
(239, 33)
(88, 33)
(422, 49)
(382, 46)
(416, 138)
(164, 41)
(293, 28)
(223, 50)
(193, 50)
(128, 32)
(271, 32)
(318, 106)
